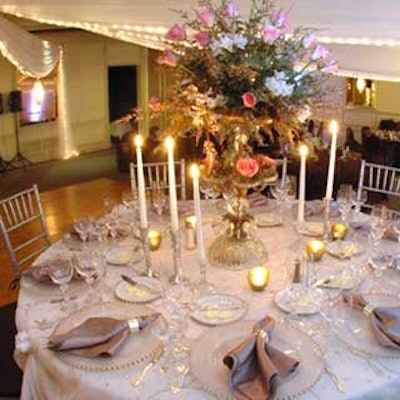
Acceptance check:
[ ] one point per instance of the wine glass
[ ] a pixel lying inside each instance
(83, 227)
(61, 271)
(345, 201)
(377, 259)
(158, 198)
(87, 265)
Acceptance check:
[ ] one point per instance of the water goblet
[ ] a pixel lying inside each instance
(158, 198)
(61, 272)
(83, 226)
(87, 266)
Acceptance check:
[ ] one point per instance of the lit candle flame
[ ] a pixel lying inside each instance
(194, 171)
(169, 142)
(303, 150)
(138, 141)
(333, 127)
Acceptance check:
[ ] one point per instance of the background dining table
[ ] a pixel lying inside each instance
(360, 375)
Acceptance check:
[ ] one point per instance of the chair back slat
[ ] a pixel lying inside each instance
(24, 238)
(378, 178)
(157, 173)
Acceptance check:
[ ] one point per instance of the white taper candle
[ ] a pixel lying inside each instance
(141, 184)
(333, 128)
(173, 202)
(194, 171)
(302, 189)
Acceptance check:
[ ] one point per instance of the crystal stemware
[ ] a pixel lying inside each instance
(88, 266)
(61, 272)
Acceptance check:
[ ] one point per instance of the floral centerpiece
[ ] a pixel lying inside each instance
(238, 80)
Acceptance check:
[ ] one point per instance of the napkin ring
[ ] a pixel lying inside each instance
(368, 309)
(261, 333)
(134, 325)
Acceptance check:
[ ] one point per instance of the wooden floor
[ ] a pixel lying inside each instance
(61, 206)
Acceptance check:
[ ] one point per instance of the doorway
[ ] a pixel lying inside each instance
(122, 91)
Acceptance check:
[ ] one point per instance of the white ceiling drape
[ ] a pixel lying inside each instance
(364, 35)
(32, 56)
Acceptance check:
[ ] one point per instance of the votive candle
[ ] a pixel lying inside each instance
(258, 278)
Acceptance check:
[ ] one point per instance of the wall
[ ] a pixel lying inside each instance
(86, 60)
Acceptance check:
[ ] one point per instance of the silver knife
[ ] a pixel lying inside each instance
(142, 285)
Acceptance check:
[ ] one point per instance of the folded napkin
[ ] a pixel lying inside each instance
(41, 272)
(100, 336)
(256, 199)
(256, 366)
(385, 321)
(390, 233)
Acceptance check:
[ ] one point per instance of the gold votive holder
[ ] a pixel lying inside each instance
(258, 278)
(339, 231)
(190, 232)
(316, 248)
(154, 239)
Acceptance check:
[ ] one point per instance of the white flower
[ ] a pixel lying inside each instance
(23, 342)
(240, 41)
(218, 101)
(278, 85)
(303, 114)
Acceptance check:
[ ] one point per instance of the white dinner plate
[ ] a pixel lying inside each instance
(343, 249)
(266, 220)
(217, 309)
(308, 228)
(296, 300)
(209, 350)
(123, 255)
(139, 294)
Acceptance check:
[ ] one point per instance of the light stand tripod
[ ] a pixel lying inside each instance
(19, 160)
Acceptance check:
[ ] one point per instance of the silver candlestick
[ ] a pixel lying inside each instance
(146, 249)
(177, 277)
(327, 224)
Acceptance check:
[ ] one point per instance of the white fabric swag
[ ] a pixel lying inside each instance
(363, 35)
(32, 56)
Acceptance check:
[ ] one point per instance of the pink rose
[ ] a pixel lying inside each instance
(167, 58)
(320, 53)
(271, 33)
(249, 100)
(207, 18)
(202, 37)
(309, 40)
(176, 33)
(265, 161)
(247, 167)
(231, 10)
(280, 19)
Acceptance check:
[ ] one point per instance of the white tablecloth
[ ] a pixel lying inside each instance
(47, 377)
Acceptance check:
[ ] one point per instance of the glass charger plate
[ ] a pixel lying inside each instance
(137, 294)
(123, 255)
(137, 348)
(343, 249)
(266, 220)
(218, 309)
(294, 299)
(208, 351)
(357, 331)
(313, 229)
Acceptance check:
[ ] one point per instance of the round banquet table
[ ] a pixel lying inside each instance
(47, 376)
